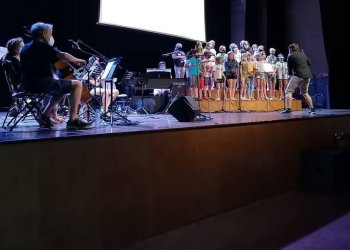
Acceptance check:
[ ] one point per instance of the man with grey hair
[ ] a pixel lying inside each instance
(38, 58)
(179, 58)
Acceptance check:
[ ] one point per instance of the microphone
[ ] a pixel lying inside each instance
(27, 32)
(75, 45)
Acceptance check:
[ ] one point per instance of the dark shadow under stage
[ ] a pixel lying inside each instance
(108, 187)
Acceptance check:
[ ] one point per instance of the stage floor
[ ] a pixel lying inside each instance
(29, 130)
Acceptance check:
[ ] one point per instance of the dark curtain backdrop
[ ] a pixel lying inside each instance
(265, 23)
(334, 19)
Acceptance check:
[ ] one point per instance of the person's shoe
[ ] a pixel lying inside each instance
(44, 121)
(286, 111)
(312, 111)
(78, 124)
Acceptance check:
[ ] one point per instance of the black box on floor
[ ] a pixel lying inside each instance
(152, 104)
(326, 169)
(184, 109)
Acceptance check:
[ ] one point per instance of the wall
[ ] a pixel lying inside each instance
(102, 192)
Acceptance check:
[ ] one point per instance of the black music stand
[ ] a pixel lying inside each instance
(108, 77)
(128, 83)
(142, 82)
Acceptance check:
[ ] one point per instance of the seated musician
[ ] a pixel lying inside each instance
(37, 62)
(11, 61)
(101, 88)
(12, 64)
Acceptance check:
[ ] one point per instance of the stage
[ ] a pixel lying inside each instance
(108, 187)
(29, 129)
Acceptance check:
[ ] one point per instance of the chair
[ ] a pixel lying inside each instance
(26, 102)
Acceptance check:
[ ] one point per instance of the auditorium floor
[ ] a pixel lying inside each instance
(289, 221)
(29, 129)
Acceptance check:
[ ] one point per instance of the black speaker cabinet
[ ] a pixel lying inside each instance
(184, 109)
(152, 104)
(326, 169)
(178, 89)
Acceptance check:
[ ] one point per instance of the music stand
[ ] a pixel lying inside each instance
(141, 81)
(108, 76)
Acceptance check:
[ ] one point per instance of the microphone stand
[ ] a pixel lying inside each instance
(239, 82)
(98, 54)
(168, 54)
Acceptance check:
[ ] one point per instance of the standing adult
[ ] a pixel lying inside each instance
(179, 58)
(300, 74)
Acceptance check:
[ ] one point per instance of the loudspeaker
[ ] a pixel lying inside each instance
(326, 169)
(318, 90)
(152, 104)
(178, 89)
(159, 83)
(184, 109)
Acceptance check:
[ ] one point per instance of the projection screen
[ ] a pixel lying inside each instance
(180, 18)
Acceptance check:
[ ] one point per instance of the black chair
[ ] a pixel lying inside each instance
(23, 101)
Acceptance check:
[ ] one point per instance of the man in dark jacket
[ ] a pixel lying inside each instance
(300, 74)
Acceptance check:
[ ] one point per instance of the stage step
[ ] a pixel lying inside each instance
(247, 105)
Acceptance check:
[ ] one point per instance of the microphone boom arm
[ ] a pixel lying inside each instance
(168, 54)
(105, 59)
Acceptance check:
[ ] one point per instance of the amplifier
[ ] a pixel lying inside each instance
(179, 89)
(152, 104)
(154, 83)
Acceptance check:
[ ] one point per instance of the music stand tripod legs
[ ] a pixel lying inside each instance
(114, 111)
(141, 108)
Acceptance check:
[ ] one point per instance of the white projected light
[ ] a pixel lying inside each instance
(181, 18)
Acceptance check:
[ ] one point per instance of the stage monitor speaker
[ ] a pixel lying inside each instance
(184, 109)
(178, 89)
(152, 104)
